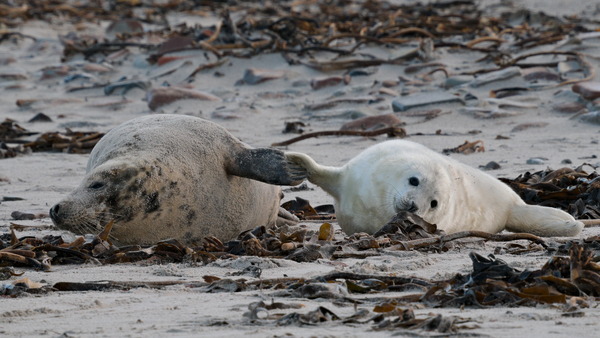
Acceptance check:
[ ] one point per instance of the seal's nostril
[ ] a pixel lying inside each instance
(54, 211)
(413, 207)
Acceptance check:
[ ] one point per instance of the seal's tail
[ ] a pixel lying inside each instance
(542, 221)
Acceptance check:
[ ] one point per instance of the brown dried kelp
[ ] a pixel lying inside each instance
(394, 319)
(303, 30)
(302, 209)
(7, 151)
(466, 148)
(493, 282)
(573, 190)
(10, 130)
(70, 141)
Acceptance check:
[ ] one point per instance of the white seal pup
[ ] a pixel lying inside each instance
(400, 175)
(174, 176)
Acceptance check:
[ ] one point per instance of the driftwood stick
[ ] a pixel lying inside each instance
(425, 242)
(590, 222)
(390, 131)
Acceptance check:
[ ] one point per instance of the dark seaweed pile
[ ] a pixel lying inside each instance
(573, 190)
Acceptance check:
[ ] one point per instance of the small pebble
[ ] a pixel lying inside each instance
(12, 199)
(503, 74)
(255, 76)
(568, 107)
(536, 160)
(122, 87)
(22, 216)
(390, 83)
(295, 127)
(566, 161)
(373, 122)
(97, 68)
(301, 83)
(125, 26)
(524, 126)
(455, 81)
(363, 72)
(539, 74)
(592, 117)
(40, 117)
(404, 103)
(323, 82)
(492, 165)
(12, 76)
(54, 72)
(588, 90)
(161, 96)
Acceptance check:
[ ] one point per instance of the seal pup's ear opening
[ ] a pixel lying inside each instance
(542, 221)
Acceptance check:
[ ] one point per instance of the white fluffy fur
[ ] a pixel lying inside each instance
(372, 187)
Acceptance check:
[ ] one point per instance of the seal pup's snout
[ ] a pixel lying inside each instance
(413, 207)
(54, 215)
(406, 205)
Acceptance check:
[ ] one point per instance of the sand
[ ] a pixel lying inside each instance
(256, 114)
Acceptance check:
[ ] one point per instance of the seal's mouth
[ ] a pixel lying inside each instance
(63, 216)
(406, 205)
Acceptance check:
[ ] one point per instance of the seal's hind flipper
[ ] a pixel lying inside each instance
(266, 165)
(542, 221)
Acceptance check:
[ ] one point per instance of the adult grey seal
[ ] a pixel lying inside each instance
(400, 175)
(174, 176)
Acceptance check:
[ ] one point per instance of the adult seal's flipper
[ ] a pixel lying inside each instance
(265, 165)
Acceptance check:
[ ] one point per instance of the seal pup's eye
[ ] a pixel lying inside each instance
(96, 185)
(413, 181)
(434, 204)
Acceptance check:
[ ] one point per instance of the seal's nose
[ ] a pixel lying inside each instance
(413, 207)
(54, 212)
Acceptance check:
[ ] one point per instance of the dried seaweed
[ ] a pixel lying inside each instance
(305, 30)
(70, 141)
(493, 282)
(466, 148)
(10, 130)
(573, 190)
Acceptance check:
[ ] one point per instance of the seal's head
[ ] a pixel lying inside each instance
(114, 191)
(414, 188)
(414, 196)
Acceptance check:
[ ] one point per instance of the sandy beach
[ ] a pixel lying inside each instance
(546, 126)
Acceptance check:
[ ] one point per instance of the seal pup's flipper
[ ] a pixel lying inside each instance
(542, 221)
(325, 177)
(265, 165)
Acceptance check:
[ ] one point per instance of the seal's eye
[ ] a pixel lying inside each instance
(413, 181)
(96, 185)
(434, 204)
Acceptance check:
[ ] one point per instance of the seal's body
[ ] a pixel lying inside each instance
(400, 175)
(173, 176)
